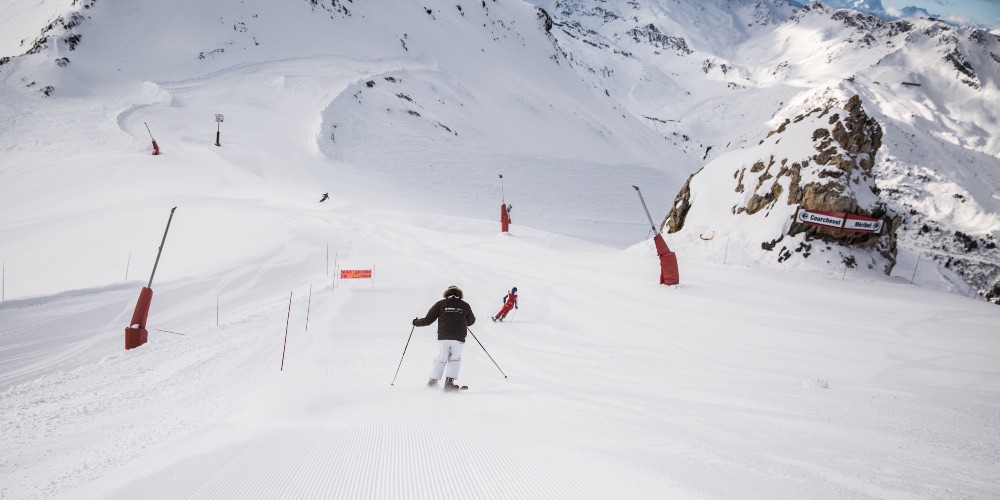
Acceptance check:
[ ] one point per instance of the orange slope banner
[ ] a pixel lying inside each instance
(354, 274)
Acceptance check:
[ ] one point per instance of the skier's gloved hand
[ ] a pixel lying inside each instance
(415, 321)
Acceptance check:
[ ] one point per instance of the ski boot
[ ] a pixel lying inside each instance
(449, 385)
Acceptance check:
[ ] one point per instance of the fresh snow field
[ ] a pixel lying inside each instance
(266, 377)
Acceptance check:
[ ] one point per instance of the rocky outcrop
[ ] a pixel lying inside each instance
(845, 155)
(653, 36)
(837, 176)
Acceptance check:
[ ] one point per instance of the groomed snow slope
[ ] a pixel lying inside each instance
(736, 383)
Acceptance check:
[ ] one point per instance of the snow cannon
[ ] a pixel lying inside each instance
(136, 333)
(156, 148)
(668, 262)
(504, 219)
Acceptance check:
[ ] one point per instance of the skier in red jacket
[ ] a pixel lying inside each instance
(509, 302)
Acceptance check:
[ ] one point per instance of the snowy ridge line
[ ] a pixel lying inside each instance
(29, 302)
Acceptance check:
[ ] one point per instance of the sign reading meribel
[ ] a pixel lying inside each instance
(838, 220)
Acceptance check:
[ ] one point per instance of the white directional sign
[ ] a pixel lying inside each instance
(838, 220)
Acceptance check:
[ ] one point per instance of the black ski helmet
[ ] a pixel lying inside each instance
(514, 289)
(453, 290)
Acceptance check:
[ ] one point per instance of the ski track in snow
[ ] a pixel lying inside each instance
(373, 459)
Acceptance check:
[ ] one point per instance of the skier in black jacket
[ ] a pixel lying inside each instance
(454, 316)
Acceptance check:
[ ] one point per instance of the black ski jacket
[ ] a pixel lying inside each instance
(454, 317)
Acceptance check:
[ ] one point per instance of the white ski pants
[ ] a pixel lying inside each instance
(450, 357)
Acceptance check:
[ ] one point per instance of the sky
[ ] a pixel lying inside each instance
(986, 12)
(266, 376)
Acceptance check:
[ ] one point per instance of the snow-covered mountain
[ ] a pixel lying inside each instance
(657, 88)
(865, 6)
(718, 78)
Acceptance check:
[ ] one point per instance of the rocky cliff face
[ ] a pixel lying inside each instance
(832, 171)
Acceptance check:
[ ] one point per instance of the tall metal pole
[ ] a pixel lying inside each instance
(645, 209)
(502, 198)
(218, 126)
(150, 285)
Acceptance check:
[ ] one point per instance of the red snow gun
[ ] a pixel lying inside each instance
(136, 333)
(156, 149)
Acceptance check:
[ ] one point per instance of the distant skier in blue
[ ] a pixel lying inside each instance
(326, 196)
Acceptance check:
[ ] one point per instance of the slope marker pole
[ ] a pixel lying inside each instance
(127, 264)
(309, 306)
(286, 331)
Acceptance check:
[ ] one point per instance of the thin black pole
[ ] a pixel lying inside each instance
(309, 306)
(487, 352)
(401, 357)
(150, 285)
(287, 319)
(167, 331)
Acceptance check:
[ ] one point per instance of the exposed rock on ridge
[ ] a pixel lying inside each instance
(837, 176)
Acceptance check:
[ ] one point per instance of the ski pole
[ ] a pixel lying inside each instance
(404, 354)
(487, 352)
